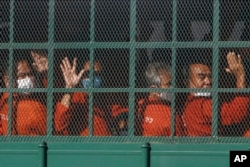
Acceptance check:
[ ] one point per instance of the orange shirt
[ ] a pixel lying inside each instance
(63, 118)
(197, 115)
(156, 119)
(30, 117)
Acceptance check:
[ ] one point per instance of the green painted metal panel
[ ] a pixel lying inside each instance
(94, 155)
(17, 154)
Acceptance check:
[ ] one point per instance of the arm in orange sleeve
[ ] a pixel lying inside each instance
(39, 124)
(1, 128)
(231, 112)
(62, 116)
(100, 127)
(31, 118)
(61, 119)
(207, 108)
(235, 110)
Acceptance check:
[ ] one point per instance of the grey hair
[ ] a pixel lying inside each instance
(152, 72)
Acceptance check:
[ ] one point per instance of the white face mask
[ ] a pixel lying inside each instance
(166, 96)
(25, 83)
(203, 94)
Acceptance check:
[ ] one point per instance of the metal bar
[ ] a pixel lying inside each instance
(92, 39)
(215, 67)
(173, 66)
(132, 60)
(51, 67)
(100, 45)
(146, 154)
(42, 162)
(10, 68)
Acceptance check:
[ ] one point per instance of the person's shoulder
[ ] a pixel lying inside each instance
(117, 109)
(30, 104)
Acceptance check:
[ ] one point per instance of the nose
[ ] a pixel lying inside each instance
(208, 81)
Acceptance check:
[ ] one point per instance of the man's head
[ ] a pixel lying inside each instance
(199, 76)
(97, 66)
(86, 76)
(23, 75)
(159, 76)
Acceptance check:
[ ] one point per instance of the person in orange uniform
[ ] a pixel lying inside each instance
(120, 120)
(71, 113)
(197, 114)
(154, 112)
(29, 113)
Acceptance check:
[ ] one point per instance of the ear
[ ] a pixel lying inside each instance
(6, 81)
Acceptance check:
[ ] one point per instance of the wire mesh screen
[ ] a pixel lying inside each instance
(125, 70)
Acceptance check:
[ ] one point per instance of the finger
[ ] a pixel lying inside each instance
(80, 74)
(68, 65)
(62, 68)
(239, 59)
(74, 65)
(231, 59)
(35, 56)
(227, 70)
(65, 62)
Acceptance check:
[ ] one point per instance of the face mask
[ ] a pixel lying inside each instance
(97, 82)
(166, 96)
(25, 83)
(203, 94)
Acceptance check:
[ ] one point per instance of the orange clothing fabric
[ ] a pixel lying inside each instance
(29, 118)
(156, 118)
(63, 118)
(197, 115)
(247, 134)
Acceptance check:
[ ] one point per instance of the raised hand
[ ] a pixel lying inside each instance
(40, 62)
(235, 67)
(71, 78)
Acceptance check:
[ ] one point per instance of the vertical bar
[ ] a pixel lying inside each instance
(173, 66)
(92, 39)
(10, 63)
(51, 67)
(146, 154)
(215, 68)
(42, 162)
(132, 58)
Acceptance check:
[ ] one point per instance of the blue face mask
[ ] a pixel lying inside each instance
(97, 82)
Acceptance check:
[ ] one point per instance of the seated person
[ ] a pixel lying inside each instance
(71, 113)
(197, 114)
(153, 115)
(29, 112)
(120, 120)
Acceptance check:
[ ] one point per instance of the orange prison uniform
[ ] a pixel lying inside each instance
(63, 118)
(247, 133)
(197, 115)
(156, 118)
(30, 117)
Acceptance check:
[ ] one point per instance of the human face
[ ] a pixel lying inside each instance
(97, 66)
(23, 70)
(199, 76)
(25, 79)
(165, 78)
